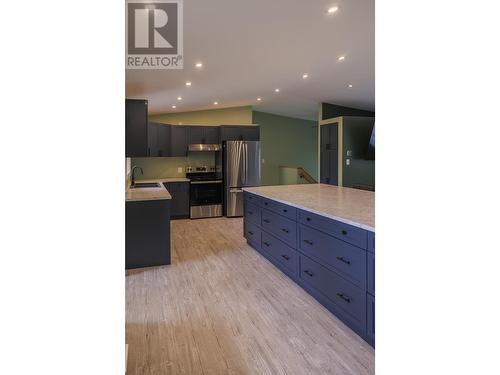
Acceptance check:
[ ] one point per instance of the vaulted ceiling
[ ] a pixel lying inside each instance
(250, 48)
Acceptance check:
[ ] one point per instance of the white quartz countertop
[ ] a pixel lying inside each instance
(147, 194)
(351, 206)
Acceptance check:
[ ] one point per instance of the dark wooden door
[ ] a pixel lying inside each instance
(329, 154)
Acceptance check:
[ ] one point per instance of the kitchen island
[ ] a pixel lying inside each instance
(147, 226)
(323, 238)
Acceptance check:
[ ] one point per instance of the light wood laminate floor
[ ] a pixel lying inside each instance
(221, 308)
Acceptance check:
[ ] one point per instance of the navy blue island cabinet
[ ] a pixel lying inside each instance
(333, 261)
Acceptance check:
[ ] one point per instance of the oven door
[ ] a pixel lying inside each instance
(203, 193)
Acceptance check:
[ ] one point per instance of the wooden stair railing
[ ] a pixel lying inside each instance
(306, 176)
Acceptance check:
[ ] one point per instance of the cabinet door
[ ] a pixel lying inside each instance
(231, 133)
(163, 140)
(136, 128)
(211, 134)
(152, 139)
(329, 154)
(370, 319)
(195, 134)
(178, 140)
(250, 133)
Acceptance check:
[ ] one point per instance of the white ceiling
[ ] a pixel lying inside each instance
(250, 47)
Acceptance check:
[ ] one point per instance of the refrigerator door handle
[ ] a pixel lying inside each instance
(243, 164)
(246, 163)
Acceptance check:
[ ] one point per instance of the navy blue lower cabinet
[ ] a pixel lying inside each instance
(252, 212)
(332, 261)
(252, 198)
(370, 273)
(346, 259)
(345, 295)
(252, 234)
(280, 251)
(371, 242)
(285, 229)
(345, 232)
(370, 319)
(280, 208)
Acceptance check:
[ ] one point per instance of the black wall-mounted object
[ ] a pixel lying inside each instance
(136, 128)
(334, 110)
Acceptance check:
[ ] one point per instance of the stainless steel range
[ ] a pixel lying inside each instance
(205, 192)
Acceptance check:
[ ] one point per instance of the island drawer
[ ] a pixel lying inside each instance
(371, 242)
(253, 234)
(252, 198)
(348, 260)
(345, 232)
(280, 251)
(283, 228)
(280, 208)
(252, 212)
(370, 273)
(342, 293)
(370, 319)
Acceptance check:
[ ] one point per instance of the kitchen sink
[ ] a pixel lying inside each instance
(142, 185)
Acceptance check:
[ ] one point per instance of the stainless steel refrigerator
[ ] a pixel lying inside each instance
(241, 168)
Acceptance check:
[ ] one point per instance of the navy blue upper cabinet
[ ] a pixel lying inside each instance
(203, 134)
(136, 128)
(158, 140)
(179, 140)
(210, 134)
(239, 133)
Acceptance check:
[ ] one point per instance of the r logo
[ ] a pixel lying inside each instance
(152, 28)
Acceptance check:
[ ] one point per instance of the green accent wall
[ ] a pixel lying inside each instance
(286, 141)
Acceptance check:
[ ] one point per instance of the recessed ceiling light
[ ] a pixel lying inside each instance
(215, 103)
(188, 83)
(174, 106)
(198, 64)
(332, 10)
(276, 90)
(179, 98)
(259, 99)
(305, 75)
(350, 85)
(341, 58)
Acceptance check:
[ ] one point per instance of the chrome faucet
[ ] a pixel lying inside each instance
(132, 178)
